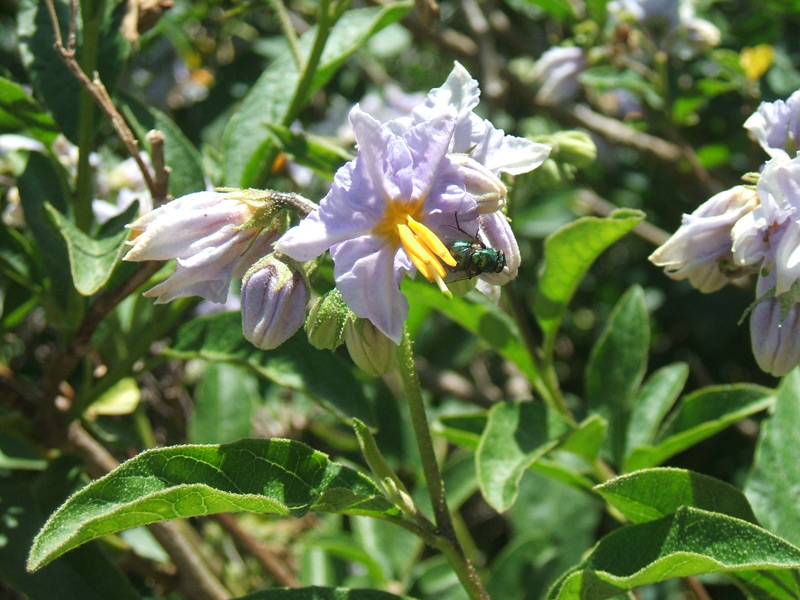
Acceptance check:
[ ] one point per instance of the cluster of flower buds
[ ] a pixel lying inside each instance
(753, 229)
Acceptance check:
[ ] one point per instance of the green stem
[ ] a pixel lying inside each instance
(309, 68)
(288, 31)
(448, 542)
(92, 17)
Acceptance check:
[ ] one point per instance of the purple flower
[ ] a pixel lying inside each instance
(776, 125)
(774, 331)
(414, 180)
(207, 234)
(380, 217)
(700, 250)
(557, 72)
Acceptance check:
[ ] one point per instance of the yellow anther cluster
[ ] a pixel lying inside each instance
(426, 251)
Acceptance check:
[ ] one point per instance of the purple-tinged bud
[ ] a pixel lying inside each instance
(274, 298)
(557, 72)
(775, 330)
(701, 249)
(486, 187)
(326, 321)
(370, 349)
(495, 232)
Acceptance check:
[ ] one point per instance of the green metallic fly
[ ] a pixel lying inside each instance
(473, 257)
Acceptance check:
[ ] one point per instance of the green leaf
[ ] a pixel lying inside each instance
(120, 399)
(702, 414)
(59, 89)
(25, 501)
(19, 111)
(295, 364)
(39, 184)
(568, 254)
(477, 314)
(247, 139)
(92, 261)
(688, 542)
(654, 493)
(224, 403)
(180, 155)
(516, 435)
(587, 439)
(310, 151)
(775, 477)
(656, 397)
(617, 365)
(463, 430)
(281, 477)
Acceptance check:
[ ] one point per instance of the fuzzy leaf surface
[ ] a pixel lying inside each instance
(688, 542)
(281, 477)
(654, 493)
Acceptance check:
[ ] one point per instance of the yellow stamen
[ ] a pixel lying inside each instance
(432, 241)
(415, 249)
(422, 267)
(423, 247)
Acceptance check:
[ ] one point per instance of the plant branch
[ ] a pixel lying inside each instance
(270, 563)
(95, 88)
(288, 30)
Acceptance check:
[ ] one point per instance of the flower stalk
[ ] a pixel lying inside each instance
(447, 540)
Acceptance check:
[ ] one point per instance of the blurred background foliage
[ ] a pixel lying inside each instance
(197, 63)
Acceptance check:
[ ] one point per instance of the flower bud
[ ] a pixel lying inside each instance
(486, 187)
(326, 321)
(557, 72)
(775, 330)
(370, 349)
(574, 147)
(274, 298)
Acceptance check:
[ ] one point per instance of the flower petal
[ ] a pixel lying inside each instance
(367, 276)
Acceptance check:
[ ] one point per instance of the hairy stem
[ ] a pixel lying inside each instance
(448, 540)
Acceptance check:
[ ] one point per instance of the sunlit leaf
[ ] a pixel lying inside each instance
(516, 435)
(92, 260)
(281, 477)
(654, 493)
(688, 542)
(568, 254)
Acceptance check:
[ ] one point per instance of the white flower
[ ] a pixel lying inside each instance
(701, 249)
(206, 233)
